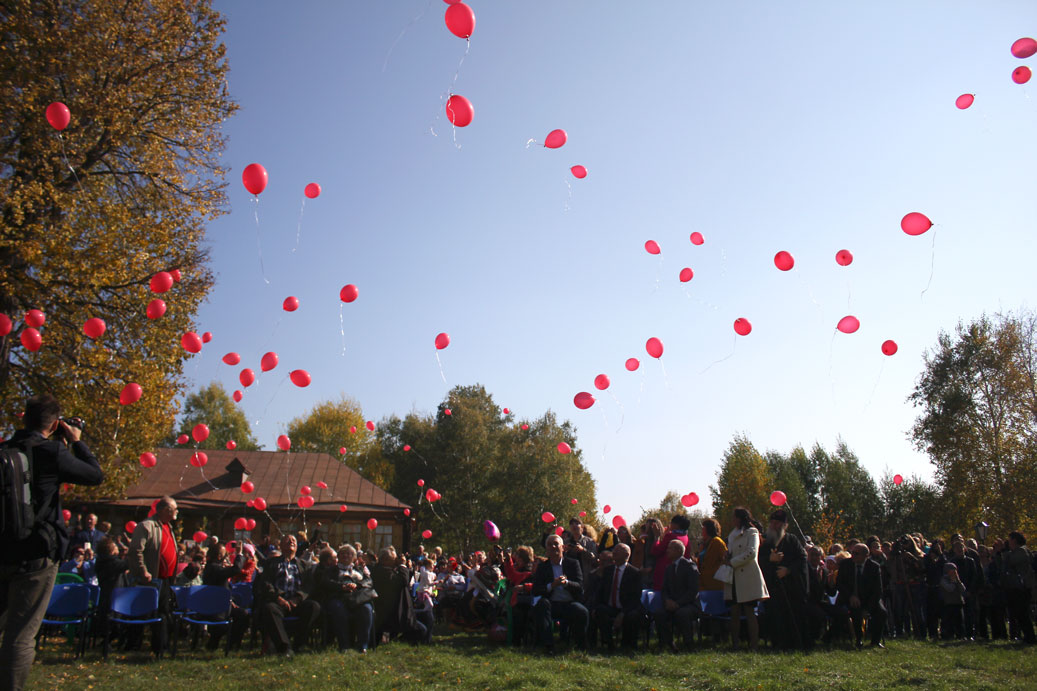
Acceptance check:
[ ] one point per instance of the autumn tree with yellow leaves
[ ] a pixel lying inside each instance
(88, 214)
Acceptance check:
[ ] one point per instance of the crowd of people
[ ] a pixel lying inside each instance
(761, 582)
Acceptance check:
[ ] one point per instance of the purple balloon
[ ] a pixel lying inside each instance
(491, 530)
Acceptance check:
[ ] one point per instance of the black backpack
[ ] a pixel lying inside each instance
(17, 509)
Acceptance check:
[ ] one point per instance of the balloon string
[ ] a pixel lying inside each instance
(115, 435)
(570, 197)
(932, 267)
(270, 337)
(259, 240)
(877, 379)
(342, 327)
(666, 377)
(704, 303)
(605, 418)
(202, 471)
(440, 363)
(531, 142)
(298, 228)
(279, 385)
(658, 275)
(831, 355)
(734, 345)
(412, 22)
(622, 411)
(820, 308)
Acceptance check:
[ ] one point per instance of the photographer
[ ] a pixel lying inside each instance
(28, 567)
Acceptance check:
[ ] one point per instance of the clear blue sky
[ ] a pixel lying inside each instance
(808, 127)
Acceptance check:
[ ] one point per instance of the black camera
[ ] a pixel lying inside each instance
(77, 422)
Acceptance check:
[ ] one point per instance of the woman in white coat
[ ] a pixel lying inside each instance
(747, 586)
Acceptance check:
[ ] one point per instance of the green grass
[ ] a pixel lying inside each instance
(471, 661)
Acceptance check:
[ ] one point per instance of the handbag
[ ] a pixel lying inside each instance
(725, 574)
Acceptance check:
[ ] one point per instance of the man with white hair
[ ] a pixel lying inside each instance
(618, 604)
(680, 593)
(559, 584)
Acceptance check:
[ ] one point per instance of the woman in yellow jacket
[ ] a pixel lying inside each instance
(748, 586)
(712, 555)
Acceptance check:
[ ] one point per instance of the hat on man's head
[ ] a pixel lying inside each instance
(780, 515)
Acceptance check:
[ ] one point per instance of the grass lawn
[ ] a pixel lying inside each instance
(469, 660)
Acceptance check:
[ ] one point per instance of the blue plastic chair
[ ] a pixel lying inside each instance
(140, 602)
(69, 604)
(713, 607)
(651, 603)
(205, 603)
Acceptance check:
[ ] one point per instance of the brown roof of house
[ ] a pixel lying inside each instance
(277, 477)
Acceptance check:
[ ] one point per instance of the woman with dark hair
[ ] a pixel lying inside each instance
(1017, 580)
(219, 569)
(747, 586)
(642, 556)
(712, 555)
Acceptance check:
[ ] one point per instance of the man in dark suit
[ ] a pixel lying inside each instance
(281, 592)
(860, 591)
(559, 584)
(618, 604)
(680, 590)
(783, 560)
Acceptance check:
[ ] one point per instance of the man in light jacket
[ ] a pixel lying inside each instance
(152, 558)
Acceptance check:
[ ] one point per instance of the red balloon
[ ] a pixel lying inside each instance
(231, 358)
(778, 498)
(524, 427)
(207, 336)
(915, 223)
(579, 172)
(426, 534)
(352, 429)
(583, 400)
(690, 499)
(305, 489)
(564, 448)
(199, 459)
(406, 447)
(618, 521)
(1024, 48)
(300, 378)
(148, 460)
(250, 524)
(652, 247)
(696, 238)
(248, 487)
(183, 439)
(58, 115)
(843, 258)
(342, 449)
(889, 347)
(898, 479)
(156, 308)
(131, 393)
(131, 526)
(345, 508)
(559, 530)
(370, 426)
(742, 326)
(442, 341)
(94, 327)
(555, 139)
(191, 342)
(372, 523)
(583, 514)
(306, 502)
(246, 377)
(447, 411)
(254, 178)
(322, 484)
(686, 275)
(175, 273)
(290, 304)
(5, 325)
(240, 523)
(784, 261)
(459, 111)
(237, 395)
(283, 442)
(654, 347)
(312, 190)
(573, 501)
(268, 361)
(632, 364)
(606, 508)
(601, 382)
(1021, 74)
(35, 318)
(161, 282)
(31, 339)
(848, 324)
(348, 293)
(231, 444)
(200, 536)
(460, 19)
(66, 514)
(964, 101)
(421, 483)
(507, 412)
(259, 503)
(547, 517)
(200, 432)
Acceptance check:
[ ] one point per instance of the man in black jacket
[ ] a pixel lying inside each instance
(280, 592)
(680, 592)
(860, 591)
(559, 584)
(618, 601)
(28, 567)
(783, 560)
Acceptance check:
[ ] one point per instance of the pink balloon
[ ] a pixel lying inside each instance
(849, 324)
(349, 293)
(254, 178)
(583, 400)
(200, 536)
(618, 521)
(547, 517)
(156, 308)
(370, 426)
(248, 487)
(183, 439)
(632, 364)
(915, 223)
(606, 508)
(778, 498)
(305, 489)
(290, 304)
(964, 101)
(200, 432)
(231, 358)
(5, 325)
(131, 393)
(564, 448)
(191, 342)
(654, 347)
(268, 361)
(686, 275)
(1024, 48)
(148, 460)
(1021, 74)
(283, 442)
(889, 347)
(690, 499)
(207, 336)
(784, 261)
(372, 523)
(459, 111)
(696, 238)
(460, 20)
(94, 327)
(161, 282)
(237, 395)
(555, 139)
(843, 258)
(259, 503)
(58, 115)
(601, 382)
(426, 534)
(300, 378)
(579, 172)
(312, 190)
(652, 247)
(231, 444)
(898, 479)
(442, 341)
(199, 459)
(743, 327)
(246, 377)
(490, 530)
